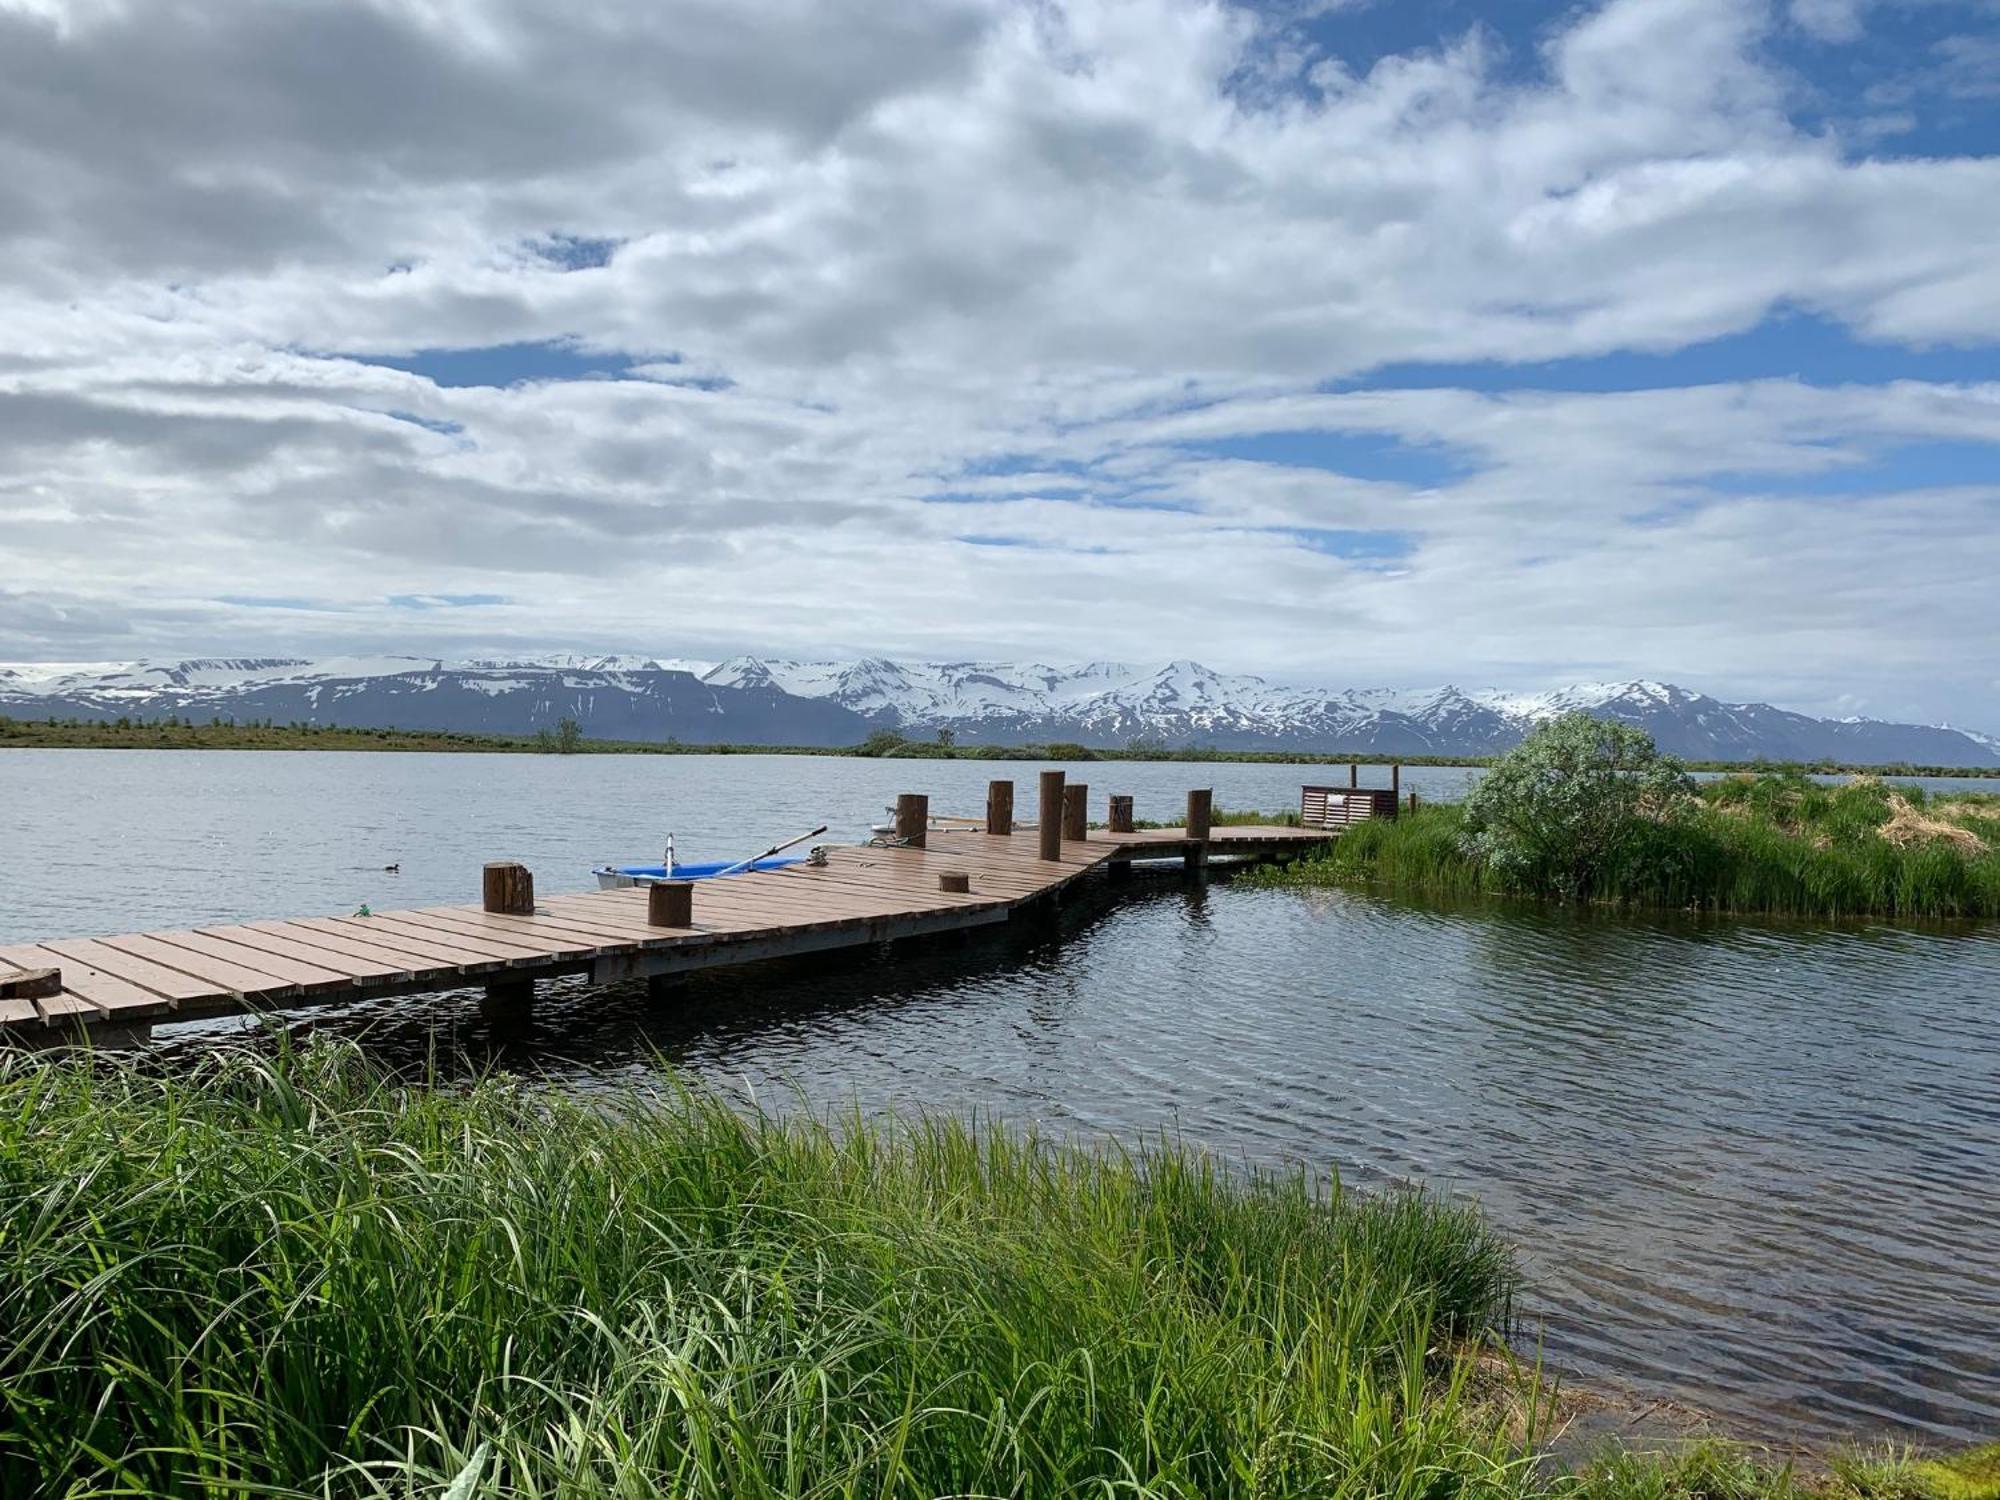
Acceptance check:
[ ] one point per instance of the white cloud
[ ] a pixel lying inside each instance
(917, 239)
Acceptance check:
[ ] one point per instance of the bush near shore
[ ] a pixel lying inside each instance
(1776, 844)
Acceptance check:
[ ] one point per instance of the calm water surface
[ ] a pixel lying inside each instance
(1750, 1166)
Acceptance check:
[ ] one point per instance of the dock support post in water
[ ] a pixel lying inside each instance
(1120, 821)
(913, 818)
(1076, 812)
(1000, 807)
(1048, 818)
(507, 1000)
(1200, 811)
(509, 888)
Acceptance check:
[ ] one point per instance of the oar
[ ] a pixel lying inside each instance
(744, 864)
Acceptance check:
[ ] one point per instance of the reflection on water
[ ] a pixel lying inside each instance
(1749, 1165)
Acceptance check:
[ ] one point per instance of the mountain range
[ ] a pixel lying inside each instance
(749, 700)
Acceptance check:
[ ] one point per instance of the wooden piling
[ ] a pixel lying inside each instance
(957, 881)
(1396, 783)
(30, 984)
(1076, 812)
(1000, 807)
(670, 903)
(913, 818)
(1121, 814)
(1353, 775)
(1048, 817)
(509, 888)
(1200, 813)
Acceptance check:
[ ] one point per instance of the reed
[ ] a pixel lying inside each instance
(295, 1275)
(1776, 844)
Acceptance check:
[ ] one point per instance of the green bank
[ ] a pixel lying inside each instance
(1589, 812)
(296, 1275)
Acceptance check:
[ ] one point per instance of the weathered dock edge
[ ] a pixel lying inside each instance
(115, 988)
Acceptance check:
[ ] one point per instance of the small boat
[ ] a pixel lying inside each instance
(614, 877)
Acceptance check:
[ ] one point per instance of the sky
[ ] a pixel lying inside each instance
(1346, 342)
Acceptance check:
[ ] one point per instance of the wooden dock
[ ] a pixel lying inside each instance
(943, 879)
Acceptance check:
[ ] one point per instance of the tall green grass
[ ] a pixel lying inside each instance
(300, 1276)
(1779, 844)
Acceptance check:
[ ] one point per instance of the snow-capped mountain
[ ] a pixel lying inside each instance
(752, 700)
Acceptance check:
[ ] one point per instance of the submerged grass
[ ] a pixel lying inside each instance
(301, 1276)
(1776, 844)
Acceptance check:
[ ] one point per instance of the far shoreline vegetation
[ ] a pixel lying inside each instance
(176, 732)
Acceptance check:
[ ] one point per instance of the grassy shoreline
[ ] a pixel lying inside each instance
(298, 1275)
(177, 734)
(1773, 845)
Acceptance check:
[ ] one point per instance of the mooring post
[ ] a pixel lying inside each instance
(913, 817)
(31, 984)
(1353, 775)
(509, 888)
(1000, 807)
(1076, 812)
(1413, 799)
(670, 903)
(1120, 821)
(1048, 818)
(1200, 810)
(1395, 784)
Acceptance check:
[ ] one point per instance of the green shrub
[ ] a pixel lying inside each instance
(1572, 804)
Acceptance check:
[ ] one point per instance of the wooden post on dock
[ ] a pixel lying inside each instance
(1076, 812)
(1120, 822)
(913, 818)
(1000, 807)
(1395, 787)
(1200, 812)
(509, 888)
(1048, 817)
(1353, 775)
(670, 903)
(30, 984)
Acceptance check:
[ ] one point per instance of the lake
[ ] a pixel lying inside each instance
(1751, 1166)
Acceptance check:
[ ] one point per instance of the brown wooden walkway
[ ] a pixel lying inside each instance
(120, 986)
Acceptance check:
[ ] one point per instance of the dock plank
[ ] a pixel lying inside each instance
(221, 976)
(170, 985)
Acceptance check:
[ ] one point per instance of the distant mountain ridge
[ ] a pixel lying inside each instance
(753, 700)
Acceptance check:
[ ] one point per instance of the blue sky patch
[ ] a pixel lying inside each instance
(1904, 466)
(575, 252)
(505, 364)
(1816, 350)
(1354, 546)
(1358, 455)
(432, 424)
(445, 601)
(283, 601)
